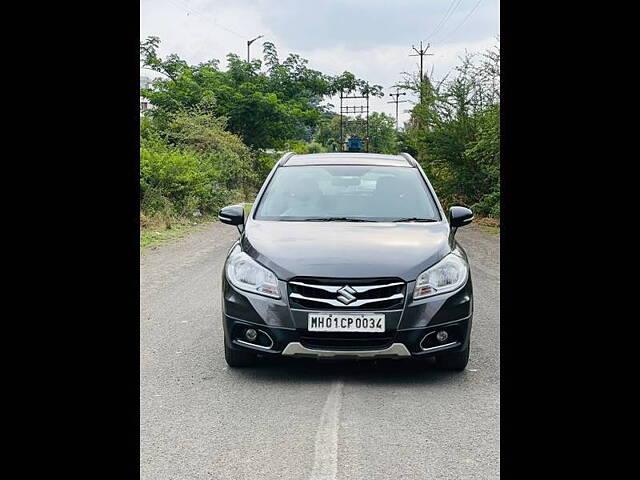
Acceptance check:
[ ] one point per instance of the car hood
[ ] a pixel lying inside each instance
(346, 250)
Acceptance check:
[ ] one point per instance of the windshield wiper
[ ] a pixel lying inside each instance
(335, 219)
(414, 219)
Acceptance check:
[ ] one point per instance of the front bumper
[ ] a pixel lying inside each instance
(410, 331)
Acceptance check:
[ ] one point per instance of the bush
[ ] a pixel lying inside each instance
(179, 182)
(489, 206)
(315, 147)
(193, 168)
(264, 164)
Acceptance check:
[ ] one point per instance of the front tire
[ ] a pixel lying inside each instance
(238, 358)
(454, 361)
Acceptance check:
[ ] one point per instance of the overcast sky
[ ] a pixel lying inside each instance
(370, 38)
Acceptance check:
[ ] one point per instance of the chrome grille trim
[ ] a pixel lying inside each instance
(326, 288)
(334, 289)
(356, 303)
(340, 312)
(346, 294)
(361, 289)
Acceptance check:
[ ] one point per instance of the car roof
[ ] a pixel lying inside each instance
(346, 158)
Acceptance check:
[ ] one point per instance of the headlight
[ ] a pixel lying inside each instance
(247, 274)
(448, 274)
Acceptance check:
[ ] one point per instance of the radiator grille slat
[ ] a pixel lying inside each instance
(326, 293)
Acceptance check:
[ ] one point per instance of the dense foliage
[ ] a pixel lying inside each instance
(382, 134)
(192, 166)
(265, 103)
(204, 143)
(455, 133)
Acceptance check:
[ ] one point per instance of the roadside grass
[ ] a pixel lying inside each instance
(493, 230)
(489, 225)
(156, 231)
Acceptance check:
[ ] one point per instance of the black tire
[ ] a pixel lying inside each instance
(455, 361)
(238, 358)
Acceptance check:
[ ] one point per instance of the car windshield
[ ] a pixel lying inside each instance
(347, 193)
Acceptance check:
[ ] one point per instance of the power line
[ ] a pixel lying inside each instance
(452, 8)
(462, 22)
(442, 19)
(206, 15)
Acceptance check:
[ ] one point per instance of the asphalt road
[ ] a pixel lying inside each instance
(299, 419)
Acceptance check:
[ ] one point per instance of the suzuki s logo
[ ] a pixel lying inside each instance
(345, 294)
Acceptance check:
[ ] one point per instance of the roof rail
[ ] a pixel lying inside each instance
(412, 161)
(285, 157)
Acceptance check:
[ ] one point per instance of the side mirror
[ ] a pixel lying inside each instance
(232, 215)
(460, 216)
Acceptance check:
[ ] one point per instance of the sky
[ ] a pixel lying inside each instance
(370, 38)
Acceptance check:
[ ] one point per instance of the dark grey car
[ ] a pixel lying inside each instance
(347, 255)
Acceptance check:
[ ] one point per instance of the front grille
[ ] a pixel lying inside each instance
(345, 340)
(346, 294)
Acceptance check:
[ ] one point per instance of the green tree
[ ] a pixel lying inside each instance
(382, 135)
(484, 153)
(265, 107)
(455, 132)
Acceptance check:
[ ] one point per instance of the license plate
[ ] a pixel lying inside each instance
(353, 322)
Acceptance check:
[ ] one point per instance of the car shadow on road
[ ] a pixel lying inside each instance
(372, 372)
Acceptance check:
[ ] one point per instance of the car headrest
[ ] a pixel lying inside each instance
(305, 188)
(389, 186)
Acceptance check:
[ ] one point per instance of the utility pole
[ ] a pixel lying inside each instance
(421, 53)
(396, 101)
(249, 42)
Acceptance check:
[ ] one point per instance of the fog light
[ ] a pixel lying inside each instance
(250, 334)
(442, 336)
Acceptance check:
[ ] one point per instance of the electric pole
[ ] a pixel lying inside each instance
(396, 101)
(249, 42)
(420, 53)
